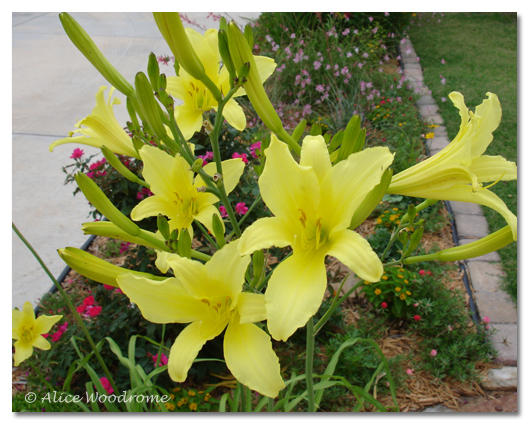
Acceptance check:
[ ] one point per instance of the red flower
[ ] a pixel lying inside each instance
(417, 318)
(384, 305)
(106, 384)
(94, 311)
(77, 153)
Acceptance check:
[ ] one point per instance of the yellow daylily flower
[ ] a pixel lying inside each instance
(457, 172)
(27, 331)
(313, 203)
(209, 297)
(102, 128)
(176, 192)
(196, 96)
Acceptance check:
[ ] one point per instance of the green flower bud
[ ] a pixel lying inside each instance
(299, 130)
(163, 226)
(241, 53)
(171, 28)
(95, 268)
(218, 230)
(88, 48)
(120, 168)
(98, 199)
(110, 230)
(197, 165)
(184, 243)
(490, 243)
(353, 139)
(153, 70)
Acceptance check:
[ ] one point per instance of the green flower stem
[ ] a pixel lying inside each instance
(160, 351)
(200, 255)
(310, 353)
(336, 302)
(214, 139)
(404, 223)
(206, 235)
(40, 375)
(71, 307)
(254, 204)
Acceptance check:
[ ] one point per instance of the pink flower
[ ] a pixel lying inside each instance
(486, 320)
(124, 246)
(253, 148)
(422, 272)
(162, 362)
(443, 61)
(223, 212)
(77, 153)
(56, 336)
(63, 327)
(417, 318)
(241, 208)
(94, 311)
(317, 64)
(409, 372)
(243, 156)
(106, 384)
(434, 353)
(108, 287)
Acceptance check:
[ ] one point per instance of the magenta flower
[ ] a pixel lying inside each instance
(106, 384)
(241, 208)
(77, 153)
(223, 212)
(93, 310)
(243, 156)
(124, 246)
(253, 148)
(162, 362)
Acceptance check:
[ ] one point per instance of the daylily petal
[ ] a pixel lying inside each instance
(251, 359)
(41, 343)
(232, 171)
(43, 324)
(235, 115)
(102, 128)
(355, 252)
(294, 294)
(23, 351)
(348, 182)
(251, 307)
(489, 113)
(190, 273)
(315, 154)
(166, 174)
(227, 269)
(491, 168)
(264, 233)
(162, 302)
(265, 66)
(205, 216)
(287, 187)
(189, 120)
(483, 197)
(186, 347)
(151, 207)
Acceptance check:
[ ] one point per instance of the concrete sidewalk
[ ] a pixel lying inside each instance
(53, 87)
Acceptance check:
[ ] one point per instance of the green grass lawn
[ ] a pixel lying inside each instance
(480, 55)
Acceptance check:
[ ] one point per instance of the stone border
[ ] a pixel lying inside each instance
(484, 273)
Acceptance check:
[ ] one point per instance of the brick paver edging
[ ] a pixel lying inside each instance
(484, 273)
